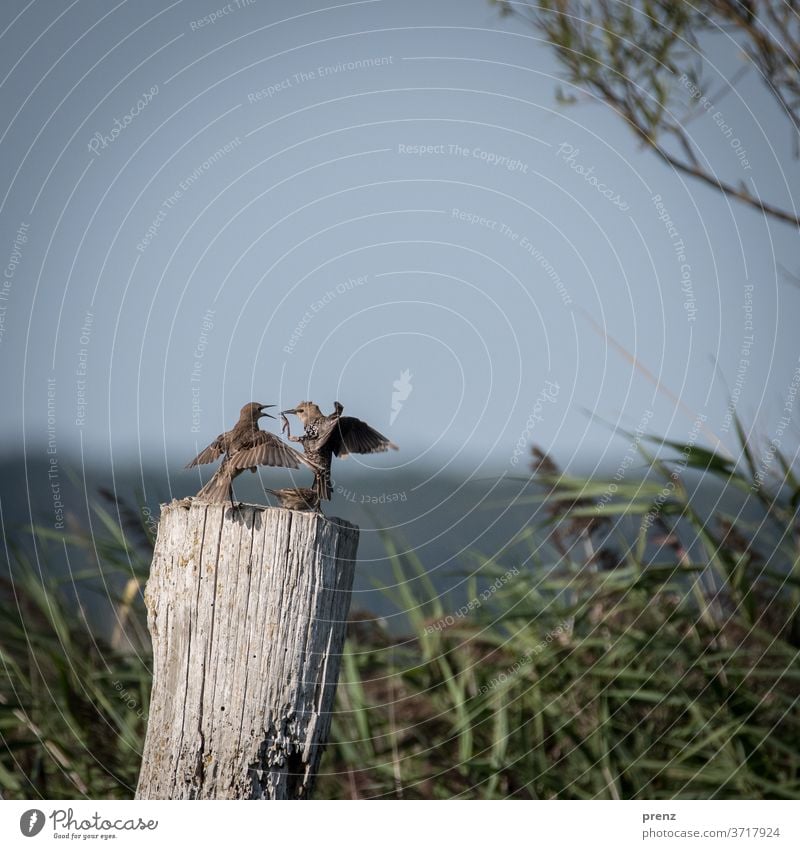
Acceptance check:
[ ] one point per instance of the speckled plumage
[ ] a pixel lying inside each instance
(334, 434)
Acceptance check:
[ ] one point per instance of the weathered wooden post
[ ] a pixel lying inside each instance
(247, 610)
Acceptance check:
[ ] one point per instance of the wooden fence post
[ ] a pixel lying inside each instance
(247, 610)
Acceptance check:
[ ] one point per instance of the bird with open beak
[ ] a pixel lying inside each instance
(244, 447)
(297, 498)
(335, 434)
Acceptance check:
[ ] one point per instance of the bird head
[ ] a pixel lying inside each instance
(306, 411)
(255, 411)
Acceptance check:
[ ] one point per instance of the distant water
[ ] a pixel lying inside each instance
(453, 528)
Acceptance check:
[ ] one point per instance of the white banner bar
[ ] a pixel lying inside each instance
(388, 824)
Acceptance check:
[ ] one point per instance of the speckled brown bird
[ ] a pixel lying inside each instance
(299, 498)
(335, 434)
(244, 447)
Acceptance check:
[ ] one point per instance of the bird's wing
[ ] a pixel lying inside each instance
(352, 436)
(266, 449)
(208, 455)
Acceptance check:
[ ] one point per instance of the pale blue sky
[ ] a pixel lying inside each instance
(292, 190)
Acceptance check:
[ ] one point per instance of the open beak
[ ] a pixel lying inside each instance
(264, 407)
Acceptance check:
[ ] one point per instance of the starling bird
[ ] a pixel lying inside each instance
(301, 498)
(324, 436)
(244, 447)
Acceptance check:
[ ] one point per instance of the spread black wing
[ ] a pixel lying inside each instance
(350, 435)
(266, 449)
(208, 455)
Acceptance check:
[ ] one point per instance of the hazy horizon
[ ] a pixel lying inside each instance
(365, 196)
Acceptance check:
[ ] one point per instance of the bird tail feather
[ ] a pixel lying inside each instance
(218, 489)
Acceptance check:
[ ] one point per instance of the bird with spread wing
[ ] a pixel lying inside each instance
(244, 447)
(334, 435)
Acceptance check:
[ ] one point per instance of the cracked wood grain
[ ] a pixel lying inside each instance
(247, 611)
